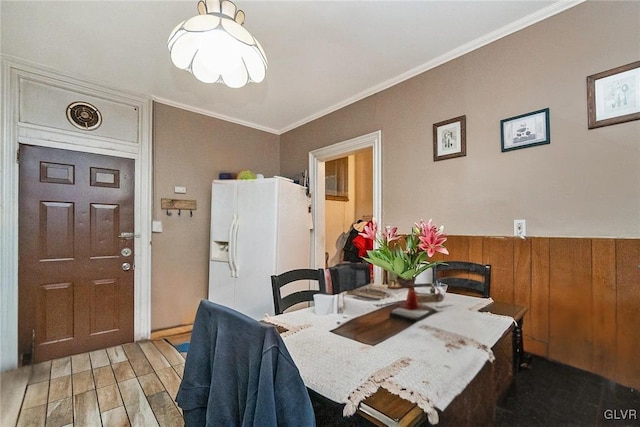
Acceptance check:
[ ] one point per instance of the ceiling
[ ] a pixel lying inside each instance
(322, 55)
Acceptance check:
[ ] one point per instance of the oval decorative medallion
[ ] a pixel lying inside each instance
(84, 116)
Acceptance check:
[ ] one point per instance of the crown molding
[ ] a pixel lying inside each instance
(542, 14)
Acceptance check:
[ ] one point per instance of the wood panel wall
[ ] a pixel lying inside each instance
(582, 296)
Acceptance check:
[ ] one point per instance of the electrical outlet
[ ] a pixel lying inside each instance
(519, 227)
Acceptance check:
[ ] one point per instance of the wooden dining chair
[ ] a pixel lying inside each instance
(301, 293)
(476, 279)
(468, 277)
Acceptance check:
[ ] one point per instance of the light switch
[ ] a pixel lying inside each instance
(180, 190)
(156, 226)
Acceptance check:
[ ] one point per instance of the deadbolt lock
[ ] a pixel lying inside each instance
(125, 252)
(126, 266)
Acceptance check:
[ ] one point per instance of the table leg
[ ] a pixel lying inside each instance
(518, 348)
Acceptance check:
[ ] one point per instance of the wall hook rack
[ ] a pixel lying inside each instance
(179, 205)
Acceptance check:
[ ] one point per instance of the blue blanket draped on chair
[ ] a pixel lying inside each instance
(238, 372)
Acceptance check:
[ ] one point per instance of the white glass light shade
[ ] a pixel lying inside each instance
(216, 48)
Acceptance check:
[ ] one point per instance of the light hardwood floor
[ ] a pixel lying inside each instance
(131, 384)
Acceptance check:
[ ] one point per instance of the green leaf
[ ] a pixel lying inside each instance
(385, 265)
(398, 266)
(408, 274)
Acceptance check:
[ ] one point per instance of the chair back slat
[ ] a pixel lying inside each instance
(280, 303)
(467, 276)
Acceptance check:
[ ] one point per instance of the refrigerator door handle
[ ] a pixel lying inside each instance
(230, 246)
(233, 243)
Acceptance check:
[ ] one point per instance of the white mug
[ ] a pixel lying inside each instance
(325, 304)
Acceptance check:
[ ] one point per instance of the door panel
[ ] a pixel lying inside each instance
(104, 306)
(104, 231)
(73, 291)
(56, 231)
(55, 303)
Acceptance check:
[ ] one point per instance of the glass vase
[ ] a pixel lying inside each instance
(411, 303)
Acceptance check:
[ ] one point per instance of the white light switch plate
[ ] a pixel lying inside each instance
(156, 226)
(180, 190)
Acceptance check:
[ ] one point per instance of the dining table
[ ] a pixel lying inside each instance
(447, 364)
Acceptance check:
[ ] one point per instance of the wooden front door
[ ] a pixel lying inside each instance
(76, 254)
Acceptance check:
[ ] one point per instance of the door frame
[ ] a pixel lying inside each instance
(317, 158)
(15, 133)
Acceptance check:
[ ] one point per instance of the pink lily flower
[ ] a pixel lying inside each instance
(370, 231)
(390, 233)
(425, 227)
(432, 239)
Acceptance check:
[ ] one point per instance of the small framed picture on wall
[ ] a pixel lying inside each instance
(450, 138)
(613, 96)
(525, 130)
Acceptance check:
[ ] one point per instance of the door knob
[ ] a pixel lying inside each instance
(126, 266)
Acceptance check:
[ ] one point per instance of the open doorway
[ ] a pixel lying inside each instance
(371, 143)
(348, 200)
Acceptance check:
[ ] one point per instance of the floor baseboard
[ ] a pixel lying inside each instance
(164, 333)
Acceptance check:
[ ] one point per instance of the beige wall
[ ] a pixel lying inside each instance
(585, 183)
(363, 183)
(190, 150)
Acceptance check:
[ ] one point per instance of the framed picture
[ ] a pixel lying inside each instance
(613, 96)
(450, 138)
(525, 130)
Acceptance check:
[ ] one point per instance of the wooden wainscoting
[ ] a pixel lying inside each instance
(582, 296)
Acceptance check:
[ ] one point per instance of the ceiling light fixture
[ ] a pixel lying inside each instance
(216, 48)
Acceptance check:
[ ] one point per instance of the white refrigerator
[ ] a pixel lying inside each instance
(259, 227)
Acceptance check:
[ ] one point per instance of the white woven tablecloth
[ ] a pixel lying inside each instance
(429, 363)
